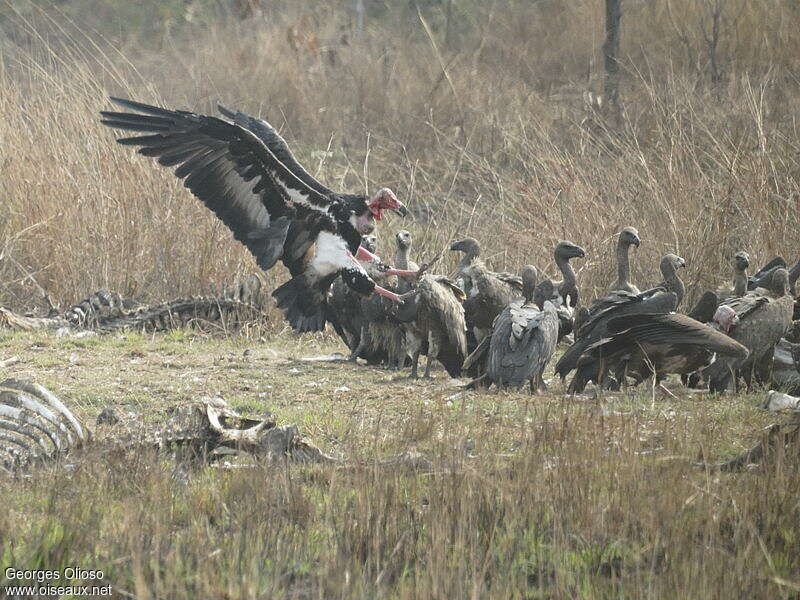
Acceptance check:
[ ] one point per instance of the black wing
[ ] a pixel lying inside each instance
(277, 145)
(761, 278)
(705, 308)
(234, 173)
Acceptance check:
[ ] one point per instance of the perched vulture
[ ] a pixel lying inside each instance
(524, 338)
(669, 270)
(385, 324)
(741, 260)
(565, 294)
(594, 328)
(440, 323)
(344, 310)
(703, 310)
(758, 320)
(628, 237)
(488, 293)
(645, 345)
(243, 171)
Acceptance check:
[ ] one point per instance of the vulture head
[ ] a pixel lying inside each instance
(629, 236)
(544, 292)
(670, 264)
(567, 250)
(529, 279)
(726, 318)
(368, 210)
(741, 260)
(404, 239)
(369, 242)
(468, 246)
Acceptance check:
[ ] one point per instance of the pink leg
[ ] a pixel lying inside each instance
(387, 294)
(364, 254)
(402, 273)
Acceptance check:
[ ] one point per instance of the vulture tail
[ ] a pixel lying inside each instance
(303, 303)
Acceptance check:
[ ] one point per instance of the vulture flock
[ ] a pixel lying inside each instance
(498, 328)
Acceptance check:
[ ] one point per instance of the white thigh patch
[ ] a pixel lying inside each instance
(331, 255)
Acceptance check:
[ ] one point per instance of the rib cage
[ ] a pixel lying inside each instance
(34, 425)
(107, 312)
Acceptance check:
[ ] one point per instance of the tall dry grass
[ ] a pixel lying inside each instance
(479, 124)
(580, 510)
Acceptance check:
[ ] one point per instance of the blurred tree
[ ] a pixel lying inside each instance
(610, 55)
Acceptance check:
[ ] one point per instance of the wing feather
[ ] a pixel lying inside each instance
(234, 172)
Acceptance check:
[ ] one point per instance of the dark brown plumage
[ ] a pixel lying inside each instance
(594, 326)
(643, 345)
(705, 307)
(439, 322)
(487, 292)
(757, 320)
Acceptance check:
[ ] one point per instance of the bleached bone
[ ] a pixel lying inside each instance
(778, 401)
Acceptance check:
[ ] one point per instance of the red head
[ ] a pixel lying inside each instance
(385, 199)
(726, 318)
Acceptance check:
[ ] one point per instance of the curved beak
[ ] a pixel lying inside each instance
(636, 242)
(401, 209)
(455, 245)
(681, 263)
(580, 252)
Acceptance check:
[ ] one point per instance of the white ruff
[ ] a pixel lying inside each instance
(331, 255)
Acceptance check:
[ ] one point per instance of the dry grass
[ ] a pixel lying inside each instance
(486, 134)
(544, 498)
(479, 124)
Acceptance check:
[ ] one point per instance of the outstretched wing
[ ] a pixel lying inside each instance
(276, 144)
(234, 173)
(672, 329)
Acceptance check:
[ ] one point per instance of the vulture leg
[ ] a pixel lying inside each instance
(479, 383)
(763, 368)
(533, 386)
(433, 352)
(601, 373)
(415, 364)
(362, 344)
(622, 374)
(542, 386)
(414, 348)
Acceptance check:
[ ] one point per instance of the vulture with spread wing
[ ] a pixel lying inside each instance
(645, 345)
(243, 171)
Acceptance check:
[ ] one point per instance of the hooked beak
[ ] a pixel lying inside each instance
(401, 209)
(681, 263)
(636, 242)
(580, 252)
(455, 245)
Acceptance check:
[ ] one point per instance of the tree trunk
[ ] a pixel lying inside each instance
(610, 55)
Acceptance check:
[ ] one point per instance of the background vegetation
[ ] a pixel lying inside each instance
(484, 117)
(481, 115)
